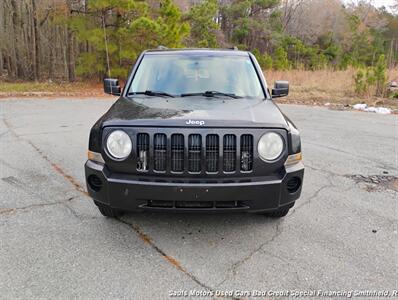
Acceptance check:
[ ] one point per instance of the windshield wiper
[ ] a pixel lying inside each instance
(211, 94)
(152, 93)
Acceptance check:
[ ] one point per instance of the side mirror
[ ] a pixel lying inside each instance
(111, 86)
(281, 89)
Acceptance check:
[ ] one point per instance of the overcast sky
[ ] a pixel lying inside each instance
(383, 2)
(377, 3)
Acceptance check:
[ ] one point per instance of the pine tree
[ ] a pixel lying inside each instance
(118, 30)
(203, 26)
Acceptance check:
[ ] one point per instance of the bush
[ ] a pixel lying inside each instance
(380, 77)
(360, 82)
(372, 78)
(281, 61)
(264, 60)
(364, 80)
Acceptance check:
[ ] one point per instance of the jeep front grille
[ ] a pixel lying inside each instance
(194, 153)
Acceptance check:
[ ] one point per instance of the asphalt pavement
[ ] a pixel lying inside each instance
(342, 234)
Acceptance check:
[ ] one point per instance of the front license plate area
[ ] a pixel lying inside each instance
(192, 193)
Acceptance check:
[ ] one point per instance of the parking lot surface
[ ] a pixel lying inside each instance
(341, 235)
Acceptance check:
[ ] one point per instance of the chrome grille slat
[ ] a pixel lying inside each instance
(142, 151)
(212, 153)
(160, 151)
(229, 153)
(246, 152)
(177, 153)
(194, 152)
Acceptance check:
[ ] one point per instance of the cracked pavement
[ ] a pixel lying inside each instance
(54, 243)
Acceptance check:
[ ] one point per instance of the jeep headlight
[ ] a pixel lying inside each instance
(270, 146)
(119, 144)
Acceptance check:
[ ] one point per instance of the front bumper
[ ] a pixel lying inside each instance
(132, 193)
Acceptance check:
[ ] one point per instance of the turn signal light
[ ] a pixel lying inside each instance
(293, 159)
(95, 156)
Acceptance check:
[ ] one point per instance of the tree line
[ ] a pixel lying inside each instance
(66, 39)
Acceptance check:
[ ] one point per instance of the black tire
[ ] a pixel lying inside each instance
(108, 211)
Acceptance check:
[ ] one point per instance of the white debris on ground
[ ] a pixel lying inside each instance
(360, 106)
(327, 104)
(378, 110)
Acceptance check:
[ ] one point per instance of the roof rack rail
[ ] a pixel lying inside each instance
(234, 48)
(161, 47)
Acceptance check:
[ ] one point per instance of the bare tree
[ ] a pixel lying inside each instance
(15, 57)
(2, 36)
(36, 42)
(314, 18)
(70, 46)
(289, 11)
(395, 7)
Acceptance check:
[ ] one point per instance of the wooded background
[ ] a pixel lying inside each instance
(65, 39)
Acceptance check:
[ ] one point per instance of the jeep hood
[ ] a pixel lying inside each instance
(176, 112)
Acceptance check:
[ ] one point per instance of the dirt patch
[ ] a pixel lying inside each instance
(376, 182)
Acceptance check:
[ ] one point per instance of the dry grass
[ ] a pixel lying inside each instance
(320, 87)
(50, 89)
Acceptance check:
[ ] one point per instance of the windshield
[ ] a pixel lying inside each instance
(179, 74)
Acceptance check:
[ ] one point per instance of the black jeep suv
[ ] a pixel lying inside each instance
(195, 130)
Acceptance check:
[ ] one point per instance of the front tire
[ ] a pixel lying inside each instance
(107, 211)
